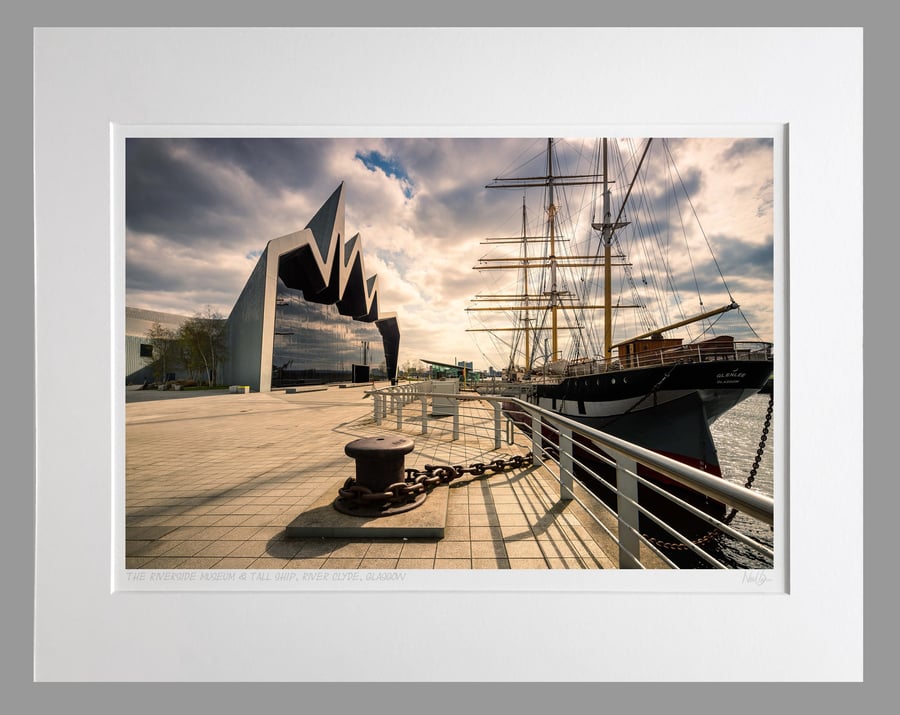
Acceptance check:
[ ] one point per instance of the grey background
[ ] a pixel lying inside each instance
(18, 433)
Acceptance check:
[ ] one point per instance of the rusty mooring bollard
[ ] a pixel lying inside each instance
(379, 464)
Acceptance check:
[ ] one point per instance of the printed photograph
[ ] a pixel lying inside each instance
(372, 356)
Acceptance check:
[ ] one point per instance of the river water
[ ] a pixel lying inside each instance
(737, 436)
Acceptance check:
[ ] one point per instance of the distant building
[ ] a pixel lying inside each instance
(308, 314)
(139, 351)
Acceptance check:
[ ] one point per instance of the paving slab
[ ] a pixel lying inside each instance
(247, 481)
(425, 521)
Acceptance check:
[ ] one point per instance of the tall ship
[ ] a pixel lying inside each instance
(575, 291)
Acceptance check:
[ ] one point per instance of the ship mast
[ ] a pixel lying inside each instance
(606, 237)
(526, 319)
(554, 298)
(607, 227)
(554, 292)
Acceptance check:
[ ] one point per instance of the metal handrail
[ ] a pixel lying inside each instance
(756, 505)
(622, 454)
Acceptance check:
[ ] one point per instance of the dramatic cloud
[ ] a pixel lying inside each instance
(200, 211)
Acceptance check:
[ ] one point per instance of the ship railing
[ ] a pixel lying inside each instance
(569, 451)
(692, 353)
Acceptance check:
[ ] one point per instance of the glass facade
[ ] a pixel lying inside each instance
(314, 344)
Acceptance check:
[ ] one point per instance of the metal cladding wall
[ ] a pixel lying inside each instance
(138, 323)
(327, 269)
(137, 368)
(245, 329)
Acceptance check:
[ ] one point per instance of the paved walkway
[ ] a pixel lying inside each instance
(212, 482)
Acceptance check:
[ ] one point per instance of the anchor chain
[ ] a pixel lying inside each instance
(760, 450)
(678, 546)
(709, 536)
(419, 481)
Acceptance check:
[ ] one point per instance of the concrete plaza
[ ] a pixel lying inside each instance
(213, 480)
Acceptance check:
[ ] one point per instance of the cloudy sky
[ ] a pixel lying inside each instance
(200, 211)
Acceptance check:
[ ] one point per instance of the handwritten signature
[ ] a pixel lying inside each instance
(758, 578)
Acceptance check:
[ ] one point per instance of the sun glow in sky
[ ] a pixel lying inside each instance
(200, 211)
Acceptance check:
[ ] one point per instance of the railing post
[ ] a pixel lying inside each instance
(510, 431)
(378, 399)
(566, 464)
(424, 400)
(627, 486)
(537, 439)
(455, 409)
(400, 412)
(496, 425)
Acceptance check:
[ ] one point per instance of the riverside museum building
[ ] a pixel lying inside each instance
(309, 313)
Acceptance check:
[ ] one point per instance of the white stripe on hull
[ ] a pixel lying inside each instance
(716, 402)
